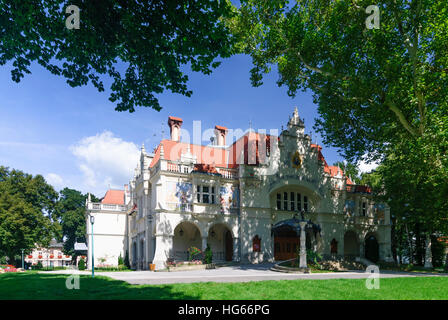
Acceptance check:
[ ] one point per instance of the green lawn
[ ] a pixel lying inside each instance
(52, 286)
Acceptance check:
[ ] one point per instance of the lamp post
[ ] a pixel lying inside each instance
(92, 221)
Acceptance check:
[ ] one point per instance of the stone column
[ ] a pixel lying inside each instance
(164, 246)
(204, 243)
(302, 263)
(236, 256)
(361, 249)
(428, 253)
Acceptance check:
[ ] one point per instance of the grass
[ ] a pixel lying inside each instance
(52, 286)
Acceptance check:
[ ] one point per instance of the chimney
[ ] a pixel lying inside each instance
(220, 133)
(175, 124)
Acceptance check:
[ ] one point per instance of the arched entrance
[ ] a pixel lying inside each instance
(372, 248)
(220, 240)
(351, 245)
(186, 235)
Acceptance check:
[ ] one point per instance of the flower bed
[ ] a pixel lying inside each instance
(8, 268)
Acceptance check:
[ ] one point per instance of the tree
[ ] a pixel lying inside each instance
(26, 206)
(142, 46)
(70, 212)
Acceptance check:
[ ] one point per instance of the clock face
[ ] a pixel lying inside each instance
(297, 160)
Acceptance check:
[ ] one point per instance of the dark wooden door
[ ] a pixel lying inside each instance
(229, 246)
(285, 248)
(372, 249)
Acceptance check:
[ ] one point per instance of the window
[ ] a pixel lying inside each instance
(205, 194)
(292, 199)
(305, 203)
(364, 209)
(279, 201)
(334, 246)
(285, 201)
(256, 244)
(299, 202)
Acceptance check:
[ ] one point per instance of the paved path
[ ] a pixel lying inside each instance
(242, 273)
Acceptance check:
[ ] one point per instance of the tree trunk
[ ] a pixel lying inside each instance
(428, 253)
(411, 251)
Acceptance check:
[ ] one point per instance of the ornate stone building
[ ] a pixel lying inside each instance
(238, 197)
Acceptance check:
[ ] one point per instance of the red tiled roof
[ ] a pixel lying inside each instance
(205, 168)
(172, 150)
(113, 197)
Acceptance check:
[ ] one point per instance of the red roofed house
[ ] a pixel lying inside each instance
(242, 195)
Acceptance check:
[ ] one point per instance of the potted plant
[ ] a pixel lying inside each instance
(152, 266)
(40, 256)
(30, 256)
(51, 256)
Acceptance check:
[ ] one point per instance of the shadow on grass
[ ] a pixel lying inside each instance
(53, 286)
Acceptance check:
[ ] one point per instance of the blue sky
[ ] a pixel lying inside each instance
(75, 138)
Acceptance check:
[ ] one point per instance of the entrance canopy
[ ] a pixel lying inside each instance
(293, 225)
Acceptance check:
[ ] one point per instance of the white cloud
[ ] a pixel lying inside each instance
(365, 167)
(105, 160)
(55, 180)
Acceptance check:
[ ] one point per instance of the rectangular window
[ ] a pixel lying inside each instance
(299, 202)
(279, 201)
(305, 203)
(205, 194)
(285, 201)
(364, 209)
(292, 201)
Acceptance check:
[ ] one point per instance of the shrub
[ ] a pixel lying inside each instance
(120, 260)
(313, 258)
(82, 265)
(208, 255)
(38, 266)
(192, 252)
(126, 260)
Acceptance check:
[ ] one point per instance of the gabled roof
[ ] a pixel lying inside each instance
(113, 197)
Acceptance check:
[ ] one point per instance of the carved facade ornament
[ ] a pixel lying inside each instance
(297, 160)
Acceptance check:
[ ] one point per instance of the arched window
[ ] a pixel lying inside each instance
(334, 246)
(256, 244)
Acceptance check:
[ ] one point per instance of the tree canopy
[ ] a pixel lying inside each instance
(140, 45)
(26, 206)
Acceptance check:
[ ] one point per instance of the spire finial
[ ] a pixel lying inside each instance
(162, 152)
